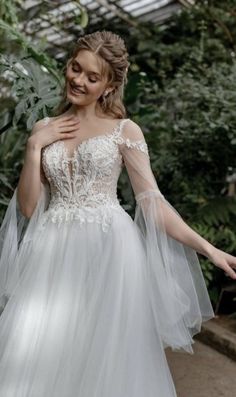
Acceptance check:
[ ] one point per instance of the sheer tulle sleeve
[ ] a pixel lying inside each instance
(177, 290)
(16, 235)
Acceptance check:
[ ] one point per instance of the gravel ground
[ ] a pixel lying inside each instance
(207, 373)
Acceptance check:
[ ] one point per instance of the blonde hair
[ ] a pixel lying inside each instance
(114, 56)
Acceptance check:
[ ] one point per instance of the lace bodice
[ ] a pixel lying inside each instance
(84, 186)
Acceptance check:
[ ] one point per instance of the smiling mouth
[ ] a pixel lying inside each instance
(76, 91)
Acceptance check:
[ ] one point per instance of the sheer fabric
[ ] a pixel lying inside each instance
(91, 297)
(16, 235)
(176, 287)
(177, 290)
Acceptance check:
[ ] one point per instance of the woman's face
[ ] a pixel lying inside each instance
(84, 82)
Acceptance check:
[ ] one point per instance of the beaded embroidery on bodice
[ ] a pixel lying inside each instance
(84, 186)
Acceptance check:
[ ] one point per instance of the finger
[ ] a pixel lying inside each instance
(233, 261)
(230, 272)
(67, 136)
(233, 265)
(69, 129)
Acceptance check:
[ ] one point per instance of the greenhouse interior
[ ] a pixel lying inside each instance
(181, 90)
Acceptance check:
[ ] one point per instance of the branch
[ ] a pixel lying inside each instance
(223, 26)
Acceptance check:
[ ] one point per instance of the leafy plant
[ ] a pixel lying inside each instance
(34, 88)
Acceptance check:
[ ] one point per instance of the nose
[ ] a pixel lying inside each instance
(79, 80)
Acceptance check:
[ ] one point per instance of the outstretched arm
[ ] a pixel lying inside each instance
(137, 162)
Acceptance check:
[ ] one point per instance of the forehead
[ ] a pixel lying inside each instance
(90, 62)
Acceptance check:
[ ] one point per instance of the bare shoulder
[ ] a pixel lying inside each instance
(132, 130)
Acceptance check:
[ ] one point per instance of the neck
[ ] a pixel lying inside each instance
(84, 112)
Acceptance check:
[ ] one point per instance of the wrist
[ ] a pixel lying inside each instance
(207, 249)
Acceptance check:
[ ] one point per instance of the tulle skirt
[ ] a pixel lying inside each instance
(79, 322)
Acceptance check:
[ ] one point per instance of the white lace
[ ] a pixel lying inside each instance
(83, 187)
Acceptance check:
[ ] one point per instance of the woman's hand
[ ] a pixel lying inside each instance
(58, 128)
(224, 261)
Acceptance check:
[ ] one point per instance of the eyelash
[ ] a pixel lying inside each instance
(76, 71)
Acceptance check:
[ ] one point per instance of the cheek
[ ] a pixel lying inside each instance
(69, 74)
(95, 89)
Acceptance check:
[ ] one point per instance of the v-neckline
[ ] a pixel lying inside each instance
(71, 155)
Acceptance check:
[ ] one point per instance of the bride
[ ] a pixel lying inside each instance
(90, 296)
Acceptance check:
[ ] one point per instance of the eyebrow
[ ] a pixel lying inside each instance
(90, 71)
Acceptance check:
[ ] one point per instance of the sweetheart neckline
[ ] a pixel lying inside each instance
(77, 147)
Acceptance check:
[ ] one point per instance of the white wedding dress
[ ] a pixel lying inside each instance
(91, 297)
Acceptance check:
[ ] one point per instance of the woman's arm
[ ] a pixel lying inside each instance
(179, 230)
(136, 158)
(31, 177)
(29, 185)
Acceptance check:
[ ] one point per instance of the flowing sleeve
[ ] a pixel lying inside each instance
(16, 236)
(176, 287)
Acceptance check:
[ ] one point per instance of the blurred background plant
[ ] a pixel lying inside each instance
(181, 90)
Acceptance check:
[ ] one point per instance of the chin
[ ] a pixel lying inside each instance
(73, 99)
(78, 100)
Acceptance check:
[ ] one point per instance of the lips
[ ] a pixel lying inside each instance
(76, 91)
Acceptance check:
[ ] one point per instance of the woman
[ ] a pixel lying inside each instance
(91, 298)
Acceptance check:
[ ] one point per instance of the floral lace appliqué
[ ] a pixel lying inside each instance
(83, 187)
(139, 145)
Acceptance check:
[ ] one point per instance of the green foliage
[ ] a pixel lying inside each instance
(9, 10)
(182, 93)
(34, 94)
(34, 88)
(11, 159)
(35, 81)
(35, 52)
(195, 123)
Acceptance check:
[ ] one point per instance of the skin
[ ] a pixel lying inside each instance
(74, 126)
(80, 74)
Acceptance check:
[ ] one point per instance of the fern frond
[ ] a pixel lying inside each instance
(216, 211)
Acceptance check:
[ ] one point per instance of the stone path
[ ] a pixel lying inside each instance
(207, 373)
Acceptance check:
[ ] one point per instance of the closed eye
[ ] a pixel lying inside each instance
(77, 71)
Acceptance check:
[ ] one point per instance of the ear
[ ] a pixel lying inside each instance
(108, 90)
